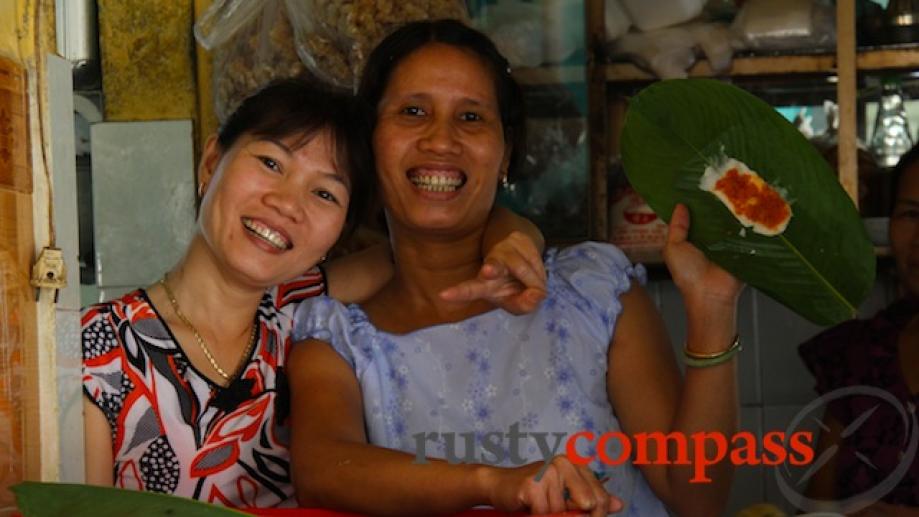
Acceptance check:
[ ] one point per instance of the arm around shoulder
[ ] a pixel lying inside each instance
(503, 222)
(358, 276)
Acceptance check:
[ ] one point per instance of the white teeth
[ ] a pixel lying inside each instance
(436, 183)
(270, 236)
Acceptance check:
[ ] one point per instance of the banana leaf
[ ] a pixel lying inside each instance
(822, 266)
(70, 500)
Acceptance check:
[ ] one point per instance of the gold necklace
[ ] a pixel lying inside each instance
(207, 353)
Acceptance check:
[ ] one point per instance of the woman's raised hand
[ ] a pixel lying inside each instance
(698, 279)
(562, 487)
(512, 277)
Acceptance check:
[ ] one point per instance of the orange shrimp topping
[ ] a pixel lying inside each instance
(753, 199)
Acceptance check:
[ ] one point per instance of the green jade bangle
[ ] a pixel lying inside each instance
(697, 360)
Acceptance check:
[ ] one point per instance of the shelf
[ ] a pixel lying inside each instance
(869, 60)
(549, 75)
(653, 257)
(892, 59)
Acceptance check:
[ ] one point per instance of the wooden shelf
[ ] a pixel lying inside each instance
(868, 60)
(653, 257)
(893, 59)
(742, 66)
(548, 75)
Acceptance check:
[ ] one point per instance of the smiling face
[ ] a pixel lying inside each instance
(272, 208)
(439, 142)
(904, 230)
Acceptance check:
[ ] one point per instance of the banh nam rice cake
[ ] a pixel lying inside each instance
(754, 203)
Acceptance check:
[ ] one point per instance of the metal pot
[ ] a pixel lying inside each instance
(78, 41)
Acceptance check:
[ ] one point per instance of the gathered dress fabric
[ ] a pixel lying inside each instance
(463, 389)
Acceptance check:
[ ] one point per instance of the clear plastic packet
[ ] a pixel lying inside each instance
(516, 28)
(336, 36)
(671, 51)
(781, 25)
(253, 43)
(617, 20)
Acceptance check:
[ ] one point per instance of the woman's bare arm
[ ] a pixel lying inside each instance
(357, 276)
(334, 466)
(645, 388)
(644, 382)
(512, 276)
(97, 444)
(822, 484)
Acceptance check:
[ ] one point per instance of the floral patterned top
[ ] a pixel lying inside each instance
(864, 353)
(497, 375)
(176, 432)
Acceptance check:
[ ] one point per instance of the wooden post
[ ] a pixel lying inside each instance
(846, 69)
(597, 118)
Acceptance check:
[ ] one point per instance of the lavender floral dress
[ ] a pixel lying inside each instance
(496, 374)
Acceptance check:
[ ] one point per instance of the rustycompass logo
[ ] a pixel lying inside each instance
(616, 448)
(793, 482)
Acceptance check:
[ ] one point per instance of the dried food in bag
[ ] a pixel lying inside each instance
(253, 44)
(336, 36)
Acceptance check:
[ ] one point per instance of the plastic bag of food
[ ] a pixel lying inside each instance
(252, 43)
(335, 36)
(671, 51)
(563, 27)
(516, 29)
(617, 20)
(661, 13)
(717, 42)
(668, 52)
(772, 25)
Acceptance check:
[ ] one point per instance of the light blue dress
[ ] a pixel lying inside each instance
(543, 372)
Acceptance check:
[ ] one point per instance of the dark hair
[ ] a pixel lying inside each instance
(296, 107)
(412, 36)
(906, 162)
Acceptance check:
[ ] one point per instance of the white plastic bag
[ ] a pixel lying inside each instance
(516, 29)
(717, 42)
(768, 25)
(252, 43)
(669, 52)
(655, 14)
(617, 20)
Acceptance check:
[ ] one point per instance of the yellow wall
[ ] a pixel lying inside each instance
(17, 27)
(9, 19)
(147, 59)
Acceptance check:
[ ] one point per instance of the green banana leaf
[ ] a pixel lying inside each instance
(70, 500)
(822, 266)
